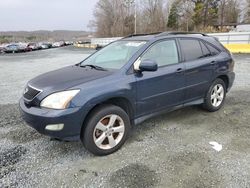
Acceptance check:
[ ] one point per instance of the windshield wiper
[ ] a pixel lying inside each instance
(94, 67)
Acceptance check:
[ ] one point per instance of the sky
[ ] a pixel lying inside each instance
(30, 15)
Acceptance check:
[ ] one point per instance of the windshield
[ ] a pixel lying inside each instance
(115, 55)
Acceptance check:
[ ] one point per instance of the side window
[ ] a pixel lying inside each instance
(163, 53)
(212, 49)
(206, 52)
(191, 49)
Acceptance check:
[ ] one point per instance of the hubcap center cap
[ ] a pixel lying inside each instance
(109, 130)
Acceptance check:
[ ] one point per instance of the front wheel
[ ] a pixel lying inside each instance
(215, 96)
(106, 130)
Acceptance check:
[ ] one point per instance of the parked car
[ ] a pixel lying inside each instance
(34, 46)
(45, 45)
(13, 48)
(24, 47)
(48, 44)
(58, 44)
(130, 80)
(67, 43)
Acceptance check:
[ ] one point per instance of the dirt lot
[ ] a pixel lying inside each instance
(168, 151)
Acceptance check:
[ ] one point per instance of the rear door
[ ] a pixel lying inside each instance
(164, 87)
(199, 66)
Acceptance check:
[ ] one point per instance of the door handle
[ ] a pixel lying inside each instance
(179, 70)
(213, 62)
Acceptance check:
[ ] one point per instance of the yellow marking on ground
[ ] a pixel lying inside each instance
(238, 48)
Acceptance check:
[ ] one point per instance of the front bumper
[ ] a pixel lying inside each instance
(39, 118)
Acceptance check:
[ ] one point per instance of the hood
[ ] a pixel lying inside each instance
(67, 77)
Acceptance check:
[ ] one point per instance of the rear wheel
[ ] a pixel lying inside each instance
(106, 130)
(215, 96)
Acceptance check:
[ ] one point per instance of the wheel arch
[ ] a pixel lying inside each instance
(225, 79)
(122, 102)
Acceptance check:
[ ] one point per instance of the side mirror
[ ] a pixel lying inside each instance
(148, 65)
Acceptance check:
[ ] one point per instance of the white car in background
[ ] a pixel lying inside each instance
(58, 44)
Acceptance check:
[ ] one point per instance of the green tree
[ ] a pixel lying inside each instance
(173, 17)
(205, 13)
(198, 13)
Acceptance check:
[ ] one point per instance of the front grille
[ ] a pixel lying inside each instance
(30, 93)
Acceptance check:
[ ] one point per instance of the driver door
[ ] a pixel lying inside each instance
(163, 88)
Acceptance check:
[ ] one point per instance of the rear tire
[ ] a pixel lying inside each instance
(107, 129)
(215, 96)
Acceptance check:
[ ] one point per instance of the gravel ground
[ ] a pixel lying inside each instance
(171, 150)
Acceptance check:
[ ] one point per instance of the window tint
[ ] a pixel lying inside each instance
(212, 49)
(205, 50)
(191, 49)
(163, 53)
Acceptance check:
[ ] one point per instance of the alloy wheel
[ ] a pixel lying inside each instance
(109, 131)
(217, 95)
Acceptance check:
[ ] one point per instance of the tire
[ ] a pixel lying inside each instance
(103, 124)
(216, 92)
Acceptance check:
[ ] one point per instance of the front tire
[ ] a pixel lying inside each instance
(215, 96)
(107, 129)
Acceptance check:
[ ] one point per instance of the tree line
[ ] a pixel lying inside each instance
(114, 18)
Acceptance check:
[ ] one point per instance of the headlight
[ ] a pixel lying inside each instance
(59, 100)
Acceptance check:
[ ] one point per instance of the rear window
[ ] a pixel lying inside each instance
(213, 50)
(191, 49)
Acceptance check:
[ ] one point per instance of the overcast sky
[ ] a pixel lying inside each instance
(16, 15)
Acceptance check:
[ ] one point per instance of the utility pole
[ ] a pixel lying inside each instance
(129, 3)
(135, 16)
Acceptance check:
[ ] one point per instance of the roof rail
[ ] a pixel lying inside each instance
(179, 33)
(142, 34)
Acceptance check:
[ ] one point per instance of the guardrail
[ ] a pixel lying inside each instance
(236, 42)
(233, 38)
(224, 38)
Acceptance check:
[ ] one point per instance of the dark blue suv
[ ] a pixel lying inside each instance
(126, 82)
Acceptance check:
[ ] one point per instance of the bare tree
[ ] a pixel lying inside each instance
(152, 12)
(228, 12)
(232, 11)
(186, 12)
(112, 18)
(246, 11)
(116, 18)
(222, 12)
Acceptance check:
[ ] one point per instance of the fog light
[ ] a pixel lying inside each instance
(55, 127)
